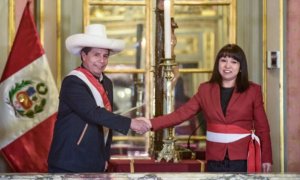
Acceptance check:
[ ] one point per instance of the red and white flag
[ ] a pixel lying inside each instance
(28, 101)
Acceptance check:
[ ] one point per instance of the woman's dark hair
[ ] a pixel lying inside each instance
(235, 52)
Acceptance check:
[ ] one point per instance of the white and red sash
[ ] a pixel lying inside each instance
(97, 89)
(221, 133)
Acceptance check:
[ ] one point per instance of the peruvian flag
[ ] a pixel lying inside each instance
(28, 101)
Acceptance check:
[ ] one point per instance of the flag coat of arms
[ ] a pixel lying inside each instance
(28, 101)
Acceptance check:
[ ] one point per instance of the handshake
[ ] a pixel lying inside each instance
(140, 125)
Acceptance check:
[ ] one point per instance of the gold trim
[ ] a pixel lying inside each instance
(149, 43)
(186, 137)
(42, 23)
(281, 111)
(150, 58)
(195, 70)
(128, 138)
(202, 165)
(172, 8)
(202, 3)
(86, 14)
(232, 23)
(131, 3)
(264, 51)
(11, 23)
(129, 71)
(131, 165)
(58, 43)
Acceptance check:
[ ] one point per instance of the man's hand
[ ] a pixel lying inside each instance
(140, 125)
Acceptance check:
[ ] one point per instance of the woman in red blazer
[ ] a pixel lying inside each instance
(237, 125)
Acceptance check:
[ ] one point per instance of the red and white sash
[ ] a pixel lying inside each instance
(221, 133)
(97, 89)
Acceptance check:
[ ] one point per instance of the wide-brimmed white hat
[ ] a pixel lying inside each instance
(94, 36)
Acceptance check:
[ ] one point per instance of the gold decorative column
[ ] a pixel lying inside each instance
(169, 151)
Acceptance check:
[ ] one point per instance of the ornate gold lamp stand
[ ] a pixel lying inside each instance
(168, 152)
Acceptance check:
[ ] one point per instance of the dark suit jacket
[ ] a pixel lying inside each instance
(245, 110)
(77, 107)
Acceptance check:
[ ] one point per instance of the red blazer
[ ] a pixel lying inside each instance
(245, 110)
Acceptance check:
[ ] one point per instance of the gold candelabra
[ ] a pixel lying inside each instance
(168, 151)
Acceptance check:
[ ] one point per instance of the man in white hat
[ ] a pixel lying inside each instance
(83, 130)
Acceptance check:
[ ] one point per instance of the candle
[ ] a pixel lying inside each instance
(167, 19)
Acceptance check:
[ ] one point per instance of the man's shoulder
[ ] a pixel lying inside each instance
(107, 81)
(106, 78)
(72, 81)
(71, 78)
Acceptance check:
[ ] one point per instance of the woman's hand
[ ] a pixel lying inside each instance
(266, 167)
